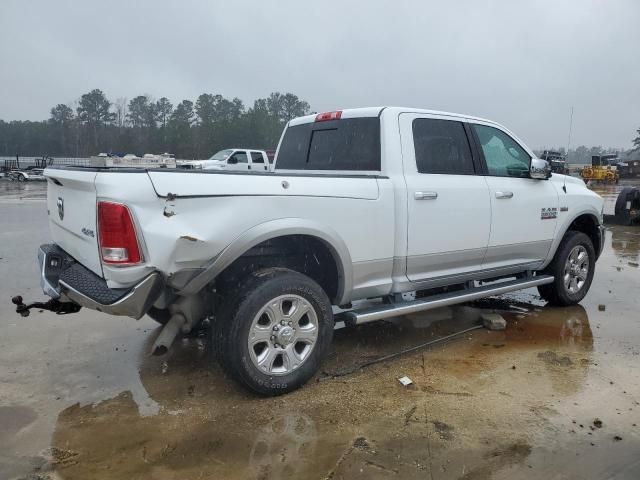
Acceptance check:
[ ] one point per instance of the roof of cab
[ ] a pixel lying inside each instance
(377, 111)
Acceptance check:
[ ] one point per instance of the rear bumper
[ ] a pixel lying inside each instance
(63, 278)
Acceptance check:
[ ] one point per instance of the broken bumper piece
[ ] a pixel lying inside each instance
(64, 279)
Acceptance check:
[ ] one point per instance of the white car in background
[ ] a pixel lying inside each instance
(26, 175)
(232, 159)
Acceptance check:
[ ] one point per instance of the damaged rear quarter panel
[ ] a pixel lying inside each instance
(199, 228)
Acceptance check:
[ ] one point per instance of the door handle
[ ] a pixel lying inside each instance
(425, 195)
(504, 194)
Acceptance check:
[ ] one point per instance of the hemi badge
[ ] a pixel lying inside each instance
(564, 209)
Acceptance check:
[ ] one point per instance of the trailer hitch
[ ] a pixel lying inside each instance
(60, 308)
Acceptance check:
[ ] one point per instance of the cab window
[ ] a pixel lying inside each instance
(503, 155)
(238, 157)
(441, 146)
(256, 157)
(351, 144)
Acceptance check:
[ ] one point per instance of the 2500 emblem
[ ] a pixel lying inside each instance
(548, 213)
(87, 232)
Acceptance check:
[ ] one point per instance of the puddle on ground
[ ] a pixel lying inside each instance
(490, 398)
(83, 399)
(20, 191)
(13, 419)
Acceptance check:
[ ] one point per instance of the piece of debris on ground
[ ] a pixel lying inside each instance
(493, 321)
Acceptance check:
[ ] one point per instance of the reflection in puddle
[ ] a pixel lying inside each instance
(625, 242)
(22, 190)
(208, 426)
(281, 446)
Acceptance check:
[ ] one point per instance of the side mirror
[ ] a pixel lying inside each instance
(232, 161)
(540, 169)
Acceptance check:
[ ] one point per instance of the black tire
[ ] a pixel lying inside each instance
(233, 323)
(627, 194)
(21, 178)
(557, 293)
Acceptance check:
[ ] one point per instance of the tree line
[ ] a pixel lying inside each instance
(189, 129)
(145, 125)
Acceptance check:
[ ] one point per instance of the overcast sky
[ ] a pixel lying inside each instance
(520, 63)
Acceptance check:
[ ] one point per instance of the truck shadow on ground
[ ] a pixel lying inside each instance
(478, 405)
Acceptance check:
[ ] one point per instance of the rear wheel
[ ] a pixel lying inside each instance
(572, 267)
(273, 331)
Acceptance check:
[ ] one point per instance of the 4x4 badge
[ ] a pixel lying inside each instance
(61, 208)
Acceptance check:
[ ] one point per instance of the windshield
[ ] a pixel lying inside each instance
(221, 155)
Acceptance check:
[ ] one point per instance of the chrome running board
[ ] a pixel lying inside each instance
(355, 317)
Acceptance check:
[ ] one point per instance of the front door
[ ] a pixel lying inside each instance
(523, 210)
(238, 161)
(448, 203)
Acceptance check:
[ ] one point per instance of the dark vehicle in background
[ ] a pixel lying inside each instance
(557, 160)
(629, 169)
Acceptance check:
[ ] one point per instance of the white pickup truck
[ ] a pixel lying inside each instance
(415, 208)
(231, 159)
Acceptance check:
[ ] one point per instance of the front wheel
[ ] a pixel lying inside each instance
(273, 331)
(572, 267)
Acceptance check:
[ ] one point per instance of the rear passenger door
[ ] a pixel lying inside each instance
(449, 212)
(257, 162)
(524, 210)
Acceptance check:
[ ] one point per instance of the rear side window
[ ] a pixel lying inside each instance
(256, 157)
(441, 146)
(348, 144)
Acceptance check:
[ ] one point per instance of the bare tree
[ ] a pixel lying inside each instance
(120, 107)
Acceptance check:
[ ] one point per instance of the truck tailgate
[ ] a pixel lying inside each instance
(71, 204)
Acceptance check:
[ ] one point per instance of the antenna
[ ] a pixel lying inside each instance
(564, 185)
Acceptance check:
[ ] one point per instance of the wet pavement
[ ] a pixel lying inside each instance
(555, 395)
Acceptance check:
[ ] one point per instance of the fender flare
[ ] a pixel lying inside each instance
(558, 238)
(273, 229)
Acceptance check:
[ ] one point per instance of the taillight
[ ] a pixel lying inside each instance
(117, 234)
(326, 116)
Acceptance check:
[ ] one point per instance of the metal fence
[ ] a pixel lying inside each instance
(20, 161)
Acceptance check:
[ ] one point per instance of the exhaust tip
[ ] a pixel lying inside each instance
(159, 350)
(168, 334)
